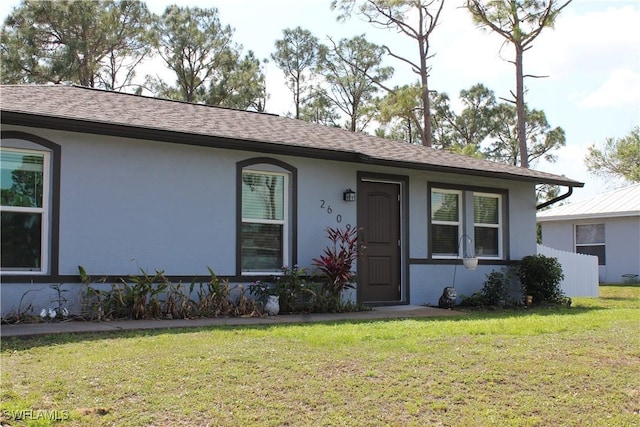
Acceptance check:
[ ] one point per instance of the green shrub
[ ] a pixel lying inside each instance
(496, 289)
(540, 277)
(494, 293)
(295, 292)
(475, 300)
(154, 296)
(299, 293)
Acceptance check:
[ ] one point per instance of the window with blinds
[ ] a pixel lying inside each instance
(457, 212)
(264, 221)
(445, 222)
(487, 224)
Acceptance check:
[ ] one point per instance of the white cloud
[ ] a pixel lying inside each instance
(622, 88)
(570, 163)
(586, 44)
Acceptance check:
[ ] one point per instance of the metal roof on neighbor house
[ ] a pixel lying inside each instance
(621, 202)
(95, 111)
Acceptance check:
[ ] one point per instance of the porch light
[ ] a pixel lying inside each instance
(349, 195)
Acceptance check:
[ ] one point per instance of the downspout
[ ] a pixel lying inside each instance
(555, 200)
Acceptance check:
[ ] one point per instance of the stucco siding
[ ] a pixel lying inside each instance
(558, 235)
(622, 243)
(320, 204)
(129, 204)
(622, 236)
(132, 204)
(428, 278)
(166, 207)
(522, 220)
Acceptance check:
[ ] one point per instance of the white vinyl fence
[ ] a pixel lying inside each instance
(580, 272)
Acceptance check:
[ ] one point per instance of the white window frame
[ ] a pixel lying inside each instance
(44, 211)
(459, 223)
(498, 226)
(284, 222)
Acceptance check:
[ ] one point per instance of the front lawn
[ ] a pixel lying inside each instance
(544, 367)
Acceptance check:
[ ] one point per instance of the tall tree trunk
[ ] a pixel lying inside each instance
(426, 116)
(426, 103)
(520, 110)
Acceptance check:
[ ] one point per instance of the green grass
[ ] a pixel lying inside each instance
(551, 367)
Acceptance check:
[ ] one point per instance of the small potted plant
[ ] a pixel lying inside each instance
(267, 295)
(470, 263)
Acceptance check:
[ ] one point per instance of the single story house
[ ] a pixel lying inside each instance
(116, 183)
(607, 225)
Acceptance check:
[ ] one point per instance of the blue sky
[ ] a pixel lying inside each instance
(592, 58)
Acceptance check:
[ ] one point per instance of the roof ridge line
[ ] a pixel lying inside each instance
(135, 95)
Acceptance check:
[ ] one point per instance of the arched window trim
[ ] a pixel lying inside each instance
(292, 238)
(53, 214)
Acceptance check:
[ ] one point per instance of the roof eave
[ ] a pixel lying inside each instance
(161, 135)
(599, 215)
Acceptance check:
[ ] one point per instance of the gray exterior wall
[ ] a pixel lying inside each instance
(128, 204)
(622, 243)
(428, 280)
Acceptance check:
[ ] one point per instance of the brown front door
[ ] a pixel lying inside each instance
(379, 220)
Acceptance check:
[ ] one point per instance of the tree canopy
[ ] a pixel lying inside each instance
(618, 157)
(350, 68)
(519, 22)
(207, 64)
(400, 15)
(91, 43)
(103, 43)
(297, 55)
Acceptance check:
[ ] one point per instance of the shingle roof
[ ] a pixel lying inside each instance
(115, 113)
(621, 202)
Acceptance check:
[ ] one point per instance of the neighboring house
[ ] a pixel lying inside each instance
(607, 225)
(116, 183)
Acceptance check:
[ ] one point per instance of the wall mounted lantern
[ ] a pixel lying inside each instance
(349, 195)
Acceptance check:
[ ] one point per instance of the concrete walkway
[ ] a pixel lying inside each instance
(378, 313)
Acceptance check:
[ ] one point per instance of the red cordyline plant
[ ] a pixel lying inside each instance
(336, 263)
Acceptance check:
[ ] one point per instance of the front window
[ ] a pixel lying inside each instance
(590, 241)
(264, 221)
(455, 213)
(23, 209)
(487, 227)
(445, 222)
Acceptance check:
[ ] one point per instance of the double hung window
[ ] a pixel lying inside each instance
(487, 230)
(24, 209)
(590, 241)
(458, 212)
(446, 225)
(265, 230)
